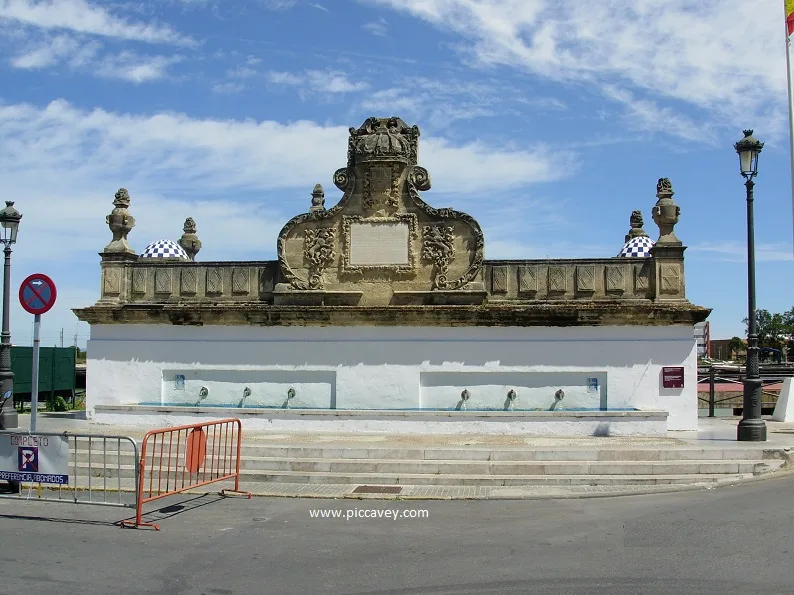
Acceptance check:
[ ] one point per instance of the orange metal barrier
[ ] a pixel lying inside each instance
(182, 458)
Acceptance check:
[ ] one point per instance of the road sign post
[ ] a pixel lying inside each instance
(37, 295)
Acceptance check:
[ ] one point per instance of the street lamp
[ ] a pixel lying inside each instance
(751, 428)
(9, 226)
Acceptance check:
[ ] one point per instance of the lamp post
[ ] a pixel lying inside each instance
(751, 427)
(9, 225)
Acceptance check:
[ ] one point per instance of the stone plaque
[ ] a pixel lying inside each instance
(379, 243)
(187, 282)
(214, 281)
(557, 279)
(162, 280)
(528, 279)
(615, 278)
(240, 280)
(139, 280)
(585, 277)
(671, 278)
(499, 279)
(112, 281)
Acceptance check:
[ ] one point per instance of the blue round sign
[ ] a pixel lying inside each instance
(37, 294)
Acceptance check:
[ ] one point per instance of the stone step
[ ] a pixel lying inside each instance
(253, 479)
(292, 452)
(428, 474)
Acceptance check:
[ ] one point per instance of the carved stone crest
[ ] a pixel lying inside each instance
(438, 246)
(375, 227)
(318, 249)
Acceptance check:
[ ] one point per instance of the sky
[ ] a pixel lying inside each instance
(548, 123)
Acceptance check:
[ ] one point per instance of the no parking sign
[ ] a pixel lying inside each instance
(37, 296)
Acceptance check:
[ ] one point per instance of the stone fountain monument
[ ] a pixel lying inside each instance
(380, 312)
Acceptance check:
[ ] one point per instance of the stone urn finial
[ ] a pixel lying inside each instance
(636, 231)
(189, 240)
(318, 199)
(666, 214)
(120, 223)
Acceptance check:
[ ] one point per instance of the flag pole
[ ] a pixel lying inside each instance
(790, 107)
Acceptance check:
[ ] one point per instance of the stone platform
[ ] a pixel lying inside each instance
(337, 465)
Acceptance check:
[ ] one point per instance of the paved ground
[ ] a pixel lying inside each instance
(733, 540)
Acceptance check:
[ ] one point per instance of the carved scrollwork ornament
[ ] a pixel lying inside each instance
(438, 246)
(318, 249)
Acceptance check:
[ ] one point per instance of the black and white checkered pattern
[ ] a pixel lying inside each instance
(164, 249)
(639, 247)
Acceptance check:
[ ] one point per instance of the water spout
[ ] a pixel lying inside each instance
(290, 396)
(246, 394)
(511, 397)
(464, 396)
(204, 392)
(558, 397)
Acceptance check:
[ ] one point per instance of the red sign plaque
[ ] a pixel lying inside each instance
(672, 377)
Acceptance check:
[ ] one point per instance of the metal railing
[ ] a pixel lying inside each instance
(102, 471)
(182, 458)
(714, 375)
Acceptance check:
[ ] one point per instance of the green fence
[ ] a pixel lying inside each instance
(56, 373)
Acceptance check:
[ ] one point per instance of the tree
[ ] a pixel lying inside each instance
(736, 345)
(774, 330)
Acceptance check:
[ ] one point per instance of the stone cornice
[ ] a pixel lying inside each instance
(568, 313)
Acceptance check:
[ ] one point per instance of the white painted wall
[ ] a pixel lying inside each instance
(385, 368)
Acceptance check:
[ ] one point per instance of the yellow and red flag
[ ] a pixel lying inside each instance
(790, 16)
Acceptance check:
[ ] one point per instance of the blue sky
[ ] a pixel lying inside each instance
(548, 123)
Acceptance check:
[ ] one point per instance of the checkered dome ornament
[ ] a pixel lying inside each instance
(164, 249)
(639, 247)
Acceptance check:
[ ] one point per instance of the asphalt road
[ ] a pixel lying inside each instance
(731, 540)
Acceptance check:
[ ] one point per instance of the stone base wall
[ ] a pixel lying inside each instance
(393, 368)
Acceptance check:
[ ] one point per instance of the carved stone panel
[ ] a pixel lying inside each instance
(558, 281)
(642, 277)
(112, 284)
(615, 279)
(240, 281)
(528, 279)
(499, 279)
(139, 277)
(214, 281)
(585, 277)
(670, 277)
(188, 281)
(162, 281)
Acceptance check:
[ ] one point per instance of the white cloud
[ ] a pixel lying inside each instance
(319, 81)
(135, 68)
(724, 56)
(85, 56)
(379, 27)
(735, 251)
(318, 6)
(229, 88)
(278, 5)
(80, 16)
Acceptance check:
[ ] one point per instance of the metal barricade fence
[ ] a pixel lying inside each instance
(102, 471)
(183, 458)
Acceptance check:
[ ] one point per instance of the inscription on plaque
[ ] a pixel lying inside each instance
(373, 244)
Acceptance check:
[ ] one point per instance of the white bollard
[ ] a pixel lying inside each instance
(784, 408)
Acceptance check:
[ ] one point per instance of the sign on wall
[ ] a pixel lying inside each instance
(34, 459)
(673, 377)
